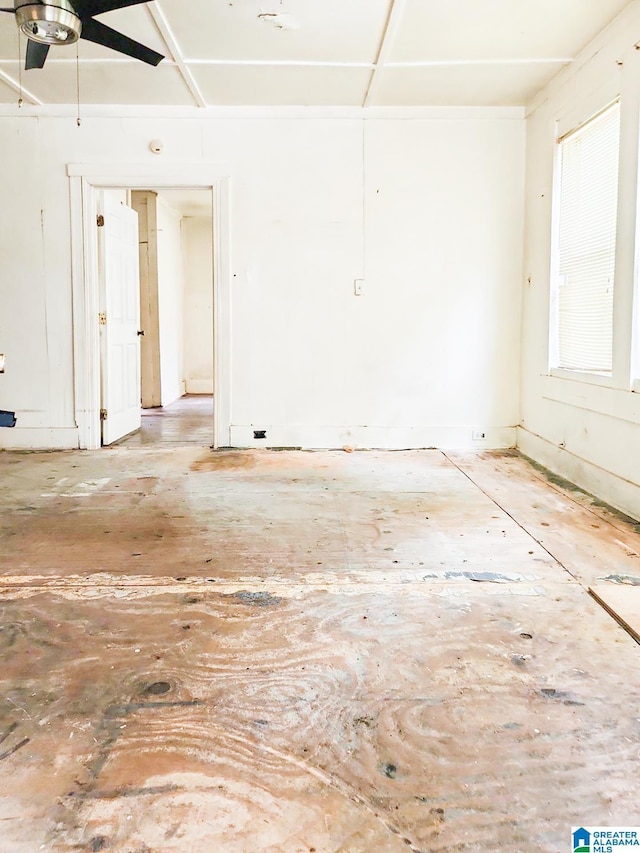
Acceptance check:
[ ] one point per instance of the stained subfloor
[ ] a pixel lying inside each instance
(298, 652)
(187, 421)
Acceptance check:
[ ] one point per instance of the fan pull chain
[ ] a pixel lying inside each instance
(20, 100)
(78, 120)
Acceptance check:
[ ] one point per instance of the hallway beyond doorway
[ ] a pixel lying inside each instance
(188, 420)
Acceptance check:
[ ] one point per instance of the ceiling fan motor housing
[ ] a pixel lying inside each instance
(48, 23)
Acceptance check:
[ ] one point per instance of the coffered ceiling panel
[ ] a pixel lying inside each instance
(484, 85)
(310, 30)
(278, 85)
(499, 29)
(107, 83)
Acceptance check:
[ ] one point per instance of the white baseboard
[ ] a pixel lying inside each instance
(199, 386)
(605, 485)
(39, 438)
(370, 438)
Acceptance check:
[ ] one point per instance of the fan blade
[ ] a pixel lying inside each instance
(100, 34)
(89, 8)
(36, 54)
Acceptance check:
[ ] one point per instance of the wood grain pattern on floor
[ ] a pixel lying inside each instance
(293, 652)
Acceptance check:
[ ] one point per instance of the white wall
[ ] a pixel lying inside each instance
(35, 308)
(170, 302)
(197, 247)
(426, 205)
(585, 429)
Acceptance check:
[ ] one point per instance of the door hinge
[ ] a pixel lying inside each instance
(102, 318)
(104, 414)
(100, 220)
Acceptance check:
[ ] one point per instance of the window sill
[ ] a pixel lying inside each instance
(603, 380)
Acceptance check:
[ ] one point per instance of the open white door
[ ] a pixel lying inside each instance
(120, 318)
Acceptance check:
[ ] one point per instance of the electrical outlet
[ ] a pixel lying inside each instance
(478, 435)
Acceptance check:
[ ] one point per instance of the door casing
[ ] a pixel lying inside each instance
(86, 181)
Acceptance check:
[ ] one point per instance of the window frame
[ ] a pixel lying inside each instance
(568, 127)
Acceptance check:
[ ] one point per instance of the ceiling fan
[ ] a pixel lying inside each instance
(66, 21)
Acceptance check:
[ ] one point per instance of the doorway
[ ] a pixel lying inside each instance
(87, 182)
(174, 267)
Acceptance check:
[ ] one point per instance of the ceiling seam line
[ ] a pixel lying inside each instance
(13, 84)
(294, 63)
(166, 32)
(396, 11)
(443, 63)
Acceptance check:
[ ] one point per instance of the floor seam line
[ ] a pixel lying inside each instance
(515, 521)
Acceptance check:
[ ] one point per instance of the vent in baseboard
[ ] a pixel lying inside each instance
(259, 433)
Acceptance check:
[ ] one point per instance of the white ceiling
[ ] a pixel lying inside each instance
(319, 52)
(189, 202)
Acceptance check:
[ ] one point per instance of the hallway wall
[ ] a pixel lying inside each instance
(170, 302)
(198, 303)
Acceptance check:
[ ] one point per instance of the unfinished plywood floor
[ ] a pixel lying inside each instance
(295, 652)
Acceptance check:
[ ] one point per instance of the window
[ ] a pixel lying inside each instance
(586, 247)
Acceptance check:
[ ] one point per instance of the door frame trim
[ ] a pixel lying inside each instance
(86, 180)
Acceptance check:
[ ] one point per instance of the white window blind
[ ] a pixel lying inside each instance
(587, 243)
